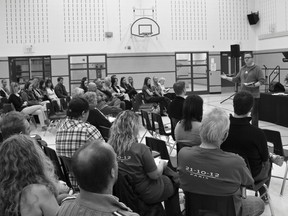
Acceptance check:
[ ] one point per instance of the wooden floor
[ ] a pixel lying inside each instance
(280, 203)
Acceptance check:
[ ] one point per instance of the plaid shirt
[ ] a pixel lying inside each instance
(71, 136)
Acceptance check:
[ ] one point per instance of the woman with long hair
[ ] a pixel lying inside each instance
(26, 108)
(27, 182)
(130, 90)
(189, 126)
(136, 160)
(151, 97)
(51, 93)
(84, 84)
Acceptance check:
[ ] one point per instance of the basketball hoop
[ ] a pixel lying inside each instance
(146, 34)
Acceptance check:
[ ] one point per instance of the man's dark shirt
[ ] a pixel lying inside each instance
(175, 108)
(60, 91)
(248, 141)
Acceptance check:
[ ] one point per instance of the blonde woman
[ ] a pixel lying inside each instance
(136, 160)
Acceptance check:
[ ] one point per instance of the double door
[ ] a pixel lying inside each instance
(192, 68)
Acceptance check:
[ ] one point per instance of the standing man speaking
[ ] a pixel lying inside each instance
(251, 78)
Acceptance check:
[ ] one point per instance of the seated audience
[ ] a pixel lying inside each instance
(75, 132)
(95, 168)
(247, 140)
(27, 182)
(130, 90)
(105, 87)
(96, 117)
(104, 107)
(4, 91)
(165, 91)
(175, 108)
(60, 89)
(189, 126)
(14, 123)
(206, 169)
(119, 92)
(84, 84)
(42, 88)
(131, 81)
(77, 92)
(23, 106)
(51, 93)
(28, 94)
(151, 96)
(135, 159)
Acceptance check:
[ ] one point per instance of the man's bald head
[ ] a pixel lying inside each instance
(94, 165)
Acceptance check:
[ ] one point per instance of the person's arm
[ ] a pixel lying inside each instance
(149, 92)
(38, 200)
(224, 76)
(58, 92)
(152, 170)
(159, 171)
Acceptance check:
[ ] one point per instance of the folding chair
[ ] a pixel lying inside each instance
(158, 127)
(159, 146)
(202, 205)
(66, 166)
(274, 137)
(260, 184)
(146, 124)
(58, 168)
(182, 143)
(55, 120)
(105, 132)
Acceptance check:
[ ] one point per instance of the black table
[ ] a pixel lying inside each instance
(274, 109)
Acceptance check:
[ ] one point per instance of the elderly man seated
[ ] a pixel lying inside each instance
(206, 169)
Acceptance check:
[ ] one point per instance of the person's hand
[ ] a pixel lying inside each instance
(25, 103)
(163, 163)
(62, 187)
(223, 76)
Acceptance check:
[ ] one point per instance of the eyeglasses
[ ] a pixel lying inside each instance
(247, 57)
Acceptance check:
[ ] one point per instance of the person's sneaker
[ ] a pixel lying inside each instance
(277, 159)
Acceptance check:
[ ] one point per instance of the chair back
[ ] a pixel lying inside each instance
(105, 132)
(159, 146)
(137, 102)
(66, 166)
(183, 143)
(157, 124)
(49, 152)
(275, 138)
(146, 121)
(200, 205)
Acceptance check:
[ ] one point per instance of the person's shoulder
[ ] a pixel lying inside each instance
(234, 159)
(36, 192)
(188, 151)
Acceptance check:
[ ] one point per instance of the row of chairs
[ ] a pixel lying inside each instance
(154, 125)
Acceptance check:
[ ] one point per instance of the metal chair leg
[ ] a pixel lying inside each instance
(284, 180)
(269, 200)
(143, 136)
